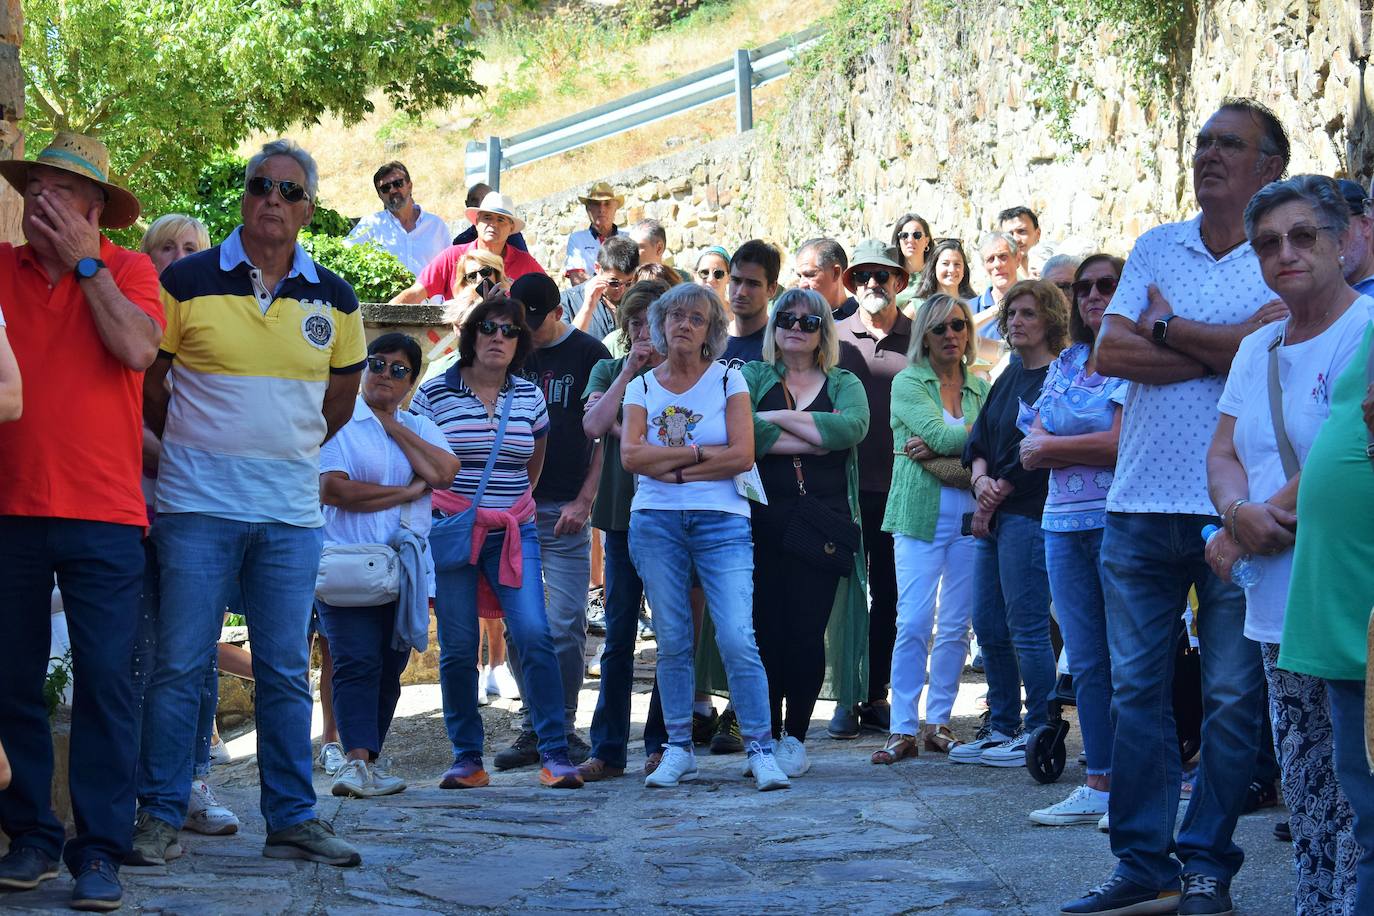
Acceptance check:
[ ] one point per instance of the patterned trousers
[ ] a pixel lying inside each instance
(1324, 846)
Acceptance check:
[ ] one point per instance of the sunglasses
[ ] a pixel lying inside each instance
(485, 273)
(1065, 288)
(387, 187)
(377, 366)
(958, 324)
(707, 273)
(914, 236)
(1105, 286)
(1302, 238)
(290, 191)
(490, 328)
(861, 277)
(809, 324)
(616, 284)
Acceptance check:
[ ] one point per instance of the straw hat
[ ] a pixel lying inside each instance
(496, 202)
(602, 191)
(84, 156)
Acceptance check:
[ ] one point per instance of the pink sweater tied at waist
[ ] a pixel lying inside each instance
(512, 571)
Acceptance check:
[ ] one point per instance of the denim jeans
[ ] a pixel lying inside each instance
(1011, 617)
(611, 721)
(882, 593)
(99, 567)
(1357, 782)
(1074, 561)
(455, 610)
(567, 563)
(1148, 563)
(667, 545)
(203, 558)
(367, 672)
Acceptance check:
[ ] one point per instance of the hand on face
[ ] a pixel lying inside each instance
(62, 214)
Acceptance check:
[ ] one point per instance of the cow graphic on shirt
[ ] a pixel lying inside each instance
(675, 425)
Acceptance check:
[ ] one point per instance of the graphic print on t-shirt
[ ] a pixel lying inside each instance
(675, 425)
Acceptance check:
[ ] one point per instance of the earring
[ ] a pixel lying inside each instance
(1341, 259)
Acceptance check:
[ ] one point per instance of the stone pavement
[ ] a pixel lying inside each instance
(921, 836)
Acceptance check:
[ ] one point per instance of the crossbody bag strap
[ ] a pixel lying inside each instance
(796, 459)
(1287, 455)
(495, 448)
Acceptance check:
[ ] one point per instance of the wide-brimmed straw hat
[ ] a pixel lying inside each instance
(873, 253)
(496, 202)
(84, 156)
(602, 191)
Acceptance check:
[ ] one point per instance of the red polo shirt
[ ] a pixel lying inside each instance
(77, 450)
(440, 275)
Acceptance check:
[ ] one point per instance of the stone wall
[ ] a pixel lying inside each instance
(946, 125)
(11, 110)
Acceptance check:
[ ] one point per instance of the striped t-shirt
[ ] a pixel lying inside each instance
(471, 431)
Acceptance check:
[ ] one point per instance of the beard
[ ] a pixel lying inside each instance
(396, 202)
(873, 302)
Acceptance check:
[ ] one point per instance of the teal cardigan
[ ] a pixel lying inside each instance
(913, 503)
(846, 636)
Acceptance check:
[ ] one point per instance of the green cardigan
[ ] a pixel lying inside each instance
(846, 636)
(913, 503)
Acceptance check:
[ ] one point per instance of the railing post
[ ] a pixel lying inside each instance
(494, 163)
(744, 91)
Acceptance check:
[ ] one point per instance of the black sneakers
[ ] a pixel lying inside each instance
(523, 753)
(1204, 895)
(727, 738)
(1120, 896)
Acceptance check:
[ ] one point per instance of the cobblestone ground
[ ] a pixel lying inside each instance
(921, 836)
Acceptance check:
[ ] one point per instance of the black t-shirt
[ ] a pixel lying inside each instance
(845, 309)
(561, 371)
(746, 349)
(824, 474)
(996, 438)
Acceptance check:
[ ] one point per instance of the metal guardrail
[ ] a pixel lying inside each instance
(737, 77)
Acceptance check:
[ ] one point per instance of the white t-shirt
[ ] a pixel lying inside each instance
(415, 248)
(697, 416)
(1307, 371)
(363, 451)
(1161, 463)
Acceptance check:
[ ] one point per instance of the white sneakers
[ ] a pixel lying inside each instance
(972, 752)
(204, 813)
(1083, 806)
(764, 766)
(358, 780)
(678, 765)
(499, 681)
(332, 757)
(219, 753)
(1010, 753)
(790, 754)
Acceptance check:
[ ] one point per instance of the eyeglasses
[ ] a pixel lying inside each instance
(708, 274)
(1302, 238)
(695, 319)
(861, 277)
(1229, 145)
(387, 187)
(485, 273)
(490, 328)
(290, 191)
(616, 284)
(809, 324)
(376, 365)
(958, 324)
(914, 236)
(1105, 287)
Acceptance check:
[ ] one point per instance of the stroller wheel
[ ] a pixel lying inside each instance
(1045, 753)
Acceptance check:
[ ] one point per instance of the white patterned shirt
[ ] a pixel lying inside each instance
(1161, 463)
(415, 248)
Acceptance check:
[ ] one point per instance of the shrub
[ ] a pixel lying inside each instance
(376, 274)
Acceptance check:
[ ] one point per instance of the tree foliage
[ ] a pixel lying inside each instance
(169, 83)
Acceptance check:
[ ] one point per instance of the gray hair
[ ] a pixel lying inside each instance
(992, 238)
(829, 253)
(287, 147)
(690, 294)
(1320, 192)
(1060, 260)
(804, 302)
(649, 229)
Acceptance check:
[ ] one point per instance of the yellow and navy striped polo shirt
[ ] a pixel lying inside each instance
(249, 373)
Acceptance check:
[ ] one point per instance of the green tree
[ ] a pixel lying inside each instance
(167, 84)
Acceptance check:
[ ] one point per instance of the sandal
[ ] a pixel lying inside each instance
(938, 738)
(898, 747)
(594, 769)
(652, 761)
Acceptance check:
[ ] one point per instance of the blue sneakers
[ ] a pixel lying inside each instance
(1120, 896)
(97, 888)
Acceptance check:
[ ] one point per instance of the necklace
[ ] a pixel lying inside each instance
(1216, 252)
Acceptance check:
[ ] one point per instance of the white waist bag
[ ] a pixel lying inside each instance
(360, 575)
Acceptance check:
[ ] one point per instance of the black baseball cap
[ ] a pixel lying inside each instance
(538, 293)
(1355, 195)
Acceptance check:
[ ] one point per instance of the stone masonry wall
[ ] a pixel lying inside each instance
(11, 110)
(945, 125)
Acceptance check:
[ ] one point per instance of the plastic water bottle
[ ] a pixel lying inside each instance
(1244, 572)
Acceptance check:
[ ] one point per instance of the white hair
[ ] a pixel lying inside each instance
(287, 147)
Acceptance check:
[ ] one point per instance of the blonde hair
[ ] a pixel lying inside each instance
(464, 293)
(934, 310)
(170, 226)
(804, 302)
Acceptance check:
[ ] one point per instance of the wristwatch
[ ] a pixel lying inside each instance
(1161, 328)
(89, 267)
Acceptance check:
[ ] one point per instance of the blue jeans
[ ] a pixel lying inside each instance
(99, 567)
(455, 610)
(203, 558)
(611, 721)
(1149, 561)
(1011, 617)
(367, 672)
(1357, 782)
(1074, 562)
(667, 545)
